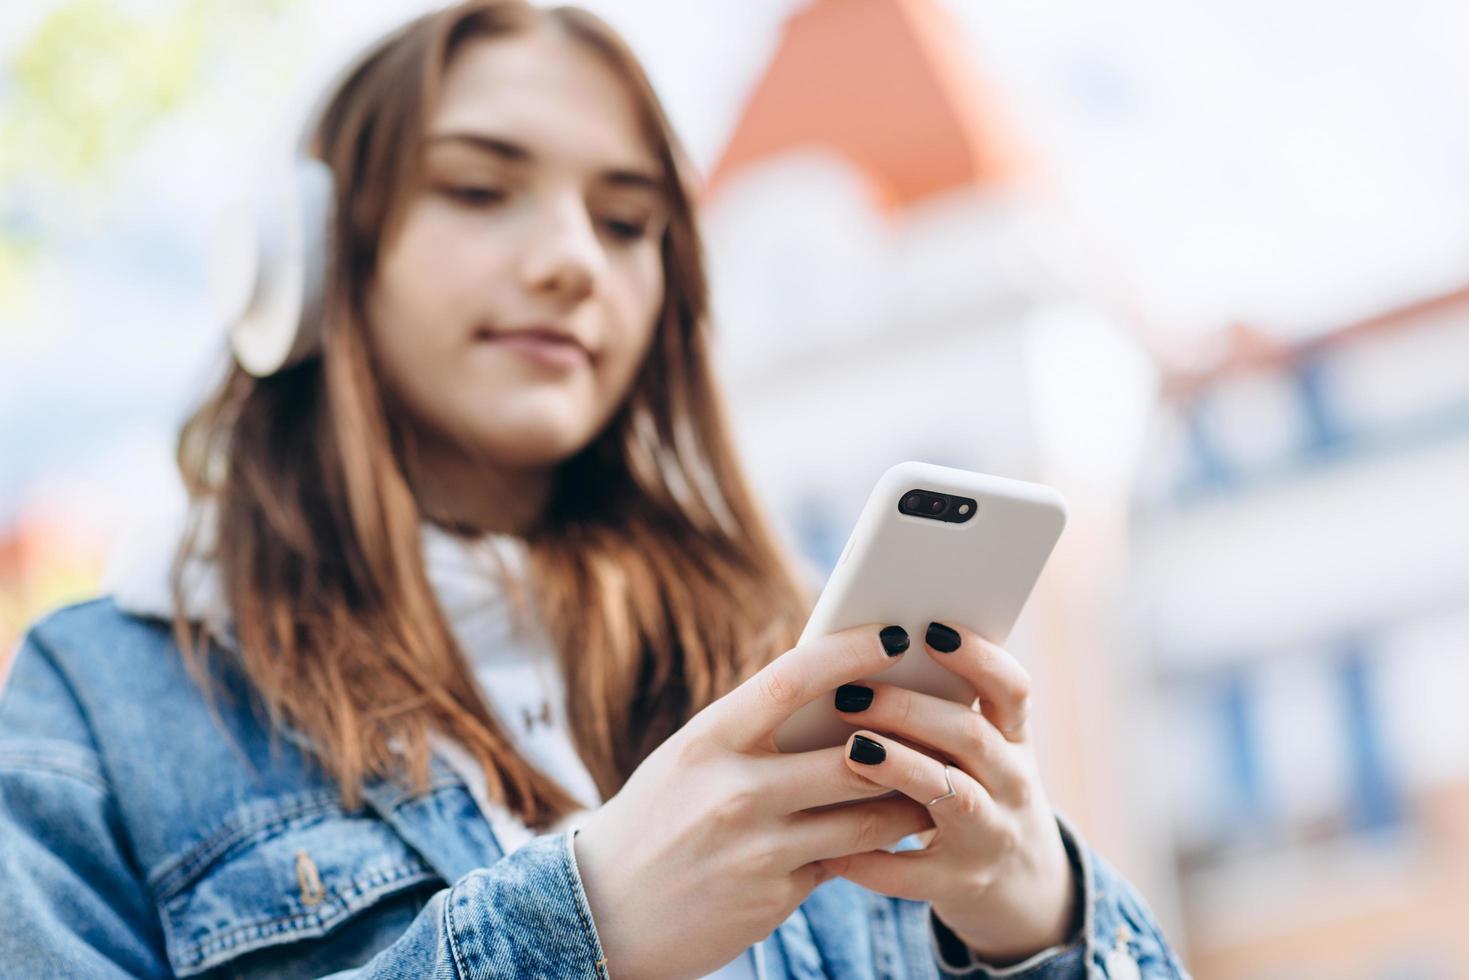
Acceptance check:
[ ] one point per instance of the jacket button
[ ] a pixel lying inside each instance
(1121, 966)
(309, 880)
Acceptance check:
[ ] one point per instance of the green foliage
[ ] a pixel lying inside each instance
(85, 90)
(89, 84)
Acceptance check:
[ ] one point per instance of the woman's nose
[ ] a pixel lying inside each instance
(565, 257)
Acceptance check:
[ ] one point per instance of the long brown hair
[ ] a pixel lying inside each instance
(653, 569)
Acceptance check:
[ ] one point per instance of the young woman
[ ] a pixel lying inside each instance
(470, 660)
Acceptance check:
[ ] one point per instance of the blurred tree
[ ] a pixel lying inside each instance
(84, 90)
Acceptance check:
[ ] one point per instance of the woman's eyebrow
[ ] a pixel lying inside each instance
(513, 152)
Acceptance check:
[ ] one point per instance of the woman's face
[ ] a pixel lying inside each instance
(539, 207)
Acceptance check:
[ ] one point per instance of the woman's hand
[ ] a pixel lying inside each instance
(996, 872)
(706, 849)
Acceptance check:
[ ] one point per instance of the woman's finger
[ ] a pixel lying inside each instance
(853, 829)
(747, 717)
(1002, 684)
(922, 778)
(906, 874)
(801, 780)
(957, 731)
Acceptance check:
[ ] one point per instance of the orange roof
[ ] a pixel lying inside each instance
(888, 85)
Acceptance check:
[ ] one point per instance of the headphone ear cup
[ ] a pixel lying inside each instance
(268, 267)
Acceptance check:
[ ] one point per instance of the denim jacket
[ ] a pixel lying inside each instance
(142, 834)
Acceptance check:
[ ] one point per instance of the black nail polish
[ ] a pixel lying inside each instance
(866, 751)
(942, 638)
(894, 640)
(853, 697)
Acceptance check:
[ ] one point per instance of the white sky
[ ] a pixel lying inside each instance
(1293, 164)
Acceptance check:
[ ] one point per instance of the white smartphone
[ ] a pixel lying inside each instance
(933, 543)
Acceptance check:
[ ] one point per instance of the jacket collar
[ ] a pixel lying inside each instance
(443, 824)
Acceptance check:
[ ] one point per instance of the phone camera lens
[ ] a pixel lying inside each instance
(936, 506)
(912, 501)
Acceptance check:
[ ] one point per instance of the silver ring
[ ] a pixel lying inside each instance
(947, 782)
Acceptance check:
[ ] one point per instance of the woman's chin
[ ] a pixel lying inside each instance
(532, 447)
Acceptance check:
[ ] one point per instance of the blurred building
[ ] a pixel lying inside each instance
(893, 280)
(1302, 592)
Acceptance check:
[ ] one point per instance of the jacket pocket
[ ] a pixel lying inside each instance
(298, 872)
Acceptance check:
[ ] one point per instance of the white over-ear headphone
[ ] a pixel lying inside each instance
(267, 260)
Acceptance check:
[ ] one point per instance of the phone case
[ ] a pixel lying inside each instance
(909, 570)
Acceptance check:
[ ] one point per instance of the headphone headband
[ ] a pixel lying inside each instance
(268, 253)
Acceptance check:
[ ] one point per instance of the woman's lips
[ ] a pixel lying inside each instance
(539, 348)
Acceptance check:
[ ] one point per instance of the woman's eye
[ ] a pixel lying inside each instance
(627, 230)
(476, 196)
